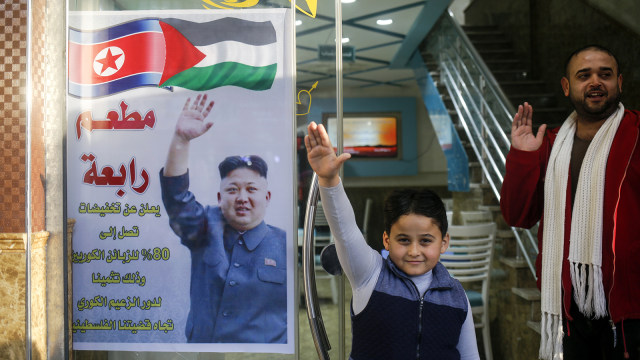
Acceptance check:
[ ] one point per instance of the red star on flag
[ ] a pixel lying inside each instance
(109, 61)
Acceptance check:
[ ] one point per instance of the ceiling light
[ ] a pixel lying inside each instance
(345, 40)
(348, 1)
(384, 22)
(298, 22)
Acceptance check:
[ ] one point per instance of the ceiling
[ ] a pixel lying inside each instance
(375, 45)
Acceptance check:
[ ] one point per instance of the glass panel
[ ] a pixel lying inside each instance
(372, 37)
(316, 83)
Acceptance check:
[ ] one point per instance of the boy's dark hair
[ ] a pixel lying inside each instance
(252, 162)
(420, 202)
(591, 47)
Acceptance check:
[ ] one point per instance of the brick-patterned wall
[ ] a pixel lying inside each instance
(13, 81)
(13, 67)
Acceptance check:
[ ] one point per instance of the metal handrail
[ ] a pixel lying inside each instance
(483, 101)
(483, 109)
(475, 128)
(318, 332)
(461, 104)
(477, 60)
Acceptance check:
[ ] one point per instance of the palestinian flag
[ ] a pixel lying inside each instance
(172, 52)
(237, 52)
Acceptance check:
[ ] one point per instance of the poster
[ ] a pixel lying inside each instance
(133, 77)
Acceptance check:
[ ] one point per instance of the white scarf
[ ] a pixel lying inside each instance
(585, 247)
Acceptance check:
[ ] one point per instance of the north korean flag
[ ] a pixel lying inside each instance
(139, 53)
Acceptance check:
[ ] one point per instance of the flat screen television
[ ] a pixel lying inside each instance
(367, 135)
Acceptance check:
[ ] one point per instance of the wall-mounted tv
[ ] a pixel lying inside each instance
(367, 135)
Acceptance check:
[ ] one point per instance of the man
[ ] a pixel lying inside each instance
(238, 263)
(582, 181)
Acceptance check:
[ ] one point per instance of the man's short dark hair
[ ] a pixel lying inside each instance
(420, 202)
(590, 47)
(251, 162)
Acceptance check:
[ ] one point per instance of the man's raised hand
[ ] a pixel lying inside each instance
(191, 122)
(522, 137)
(322, 157)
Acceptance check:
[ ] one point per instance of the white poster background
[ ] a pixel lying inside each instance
(245, 122)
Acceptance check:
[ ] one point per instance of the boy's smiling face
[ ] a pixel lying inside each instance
(415, 243)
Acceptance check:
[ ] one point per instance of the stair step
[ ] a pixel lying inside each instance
(534, 325)
(472, 28)
(491, 44)
(475, 36)
(522, 86)
(503, 52)
(510, 74)
(483, 32)
(431, 64)
(503, 63)
(492, 208)
(512, 262)
(532, 95)
(522, 82)
(530, 294)
(497, 54)
(498, 274)
(505, 234)
(537, 100)
(479, 185)
(483, 42)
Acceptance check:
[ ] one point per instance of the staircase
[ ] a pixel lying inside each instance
(515, 299)
(514, 78)
(497, 52)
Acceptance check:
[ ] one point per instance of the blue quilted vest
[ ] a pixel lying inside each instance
(400, 324)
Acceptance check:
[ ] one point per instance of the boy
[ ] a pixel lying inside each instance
(406, 306)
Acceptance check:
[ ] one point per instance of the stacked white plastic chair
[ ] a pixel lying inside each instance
(468, 259)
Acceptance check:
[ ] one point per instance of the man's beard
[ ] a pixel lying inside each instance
(596, 113)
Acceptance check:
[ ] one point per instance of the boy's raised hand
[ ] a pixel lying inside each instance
(322, 157)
